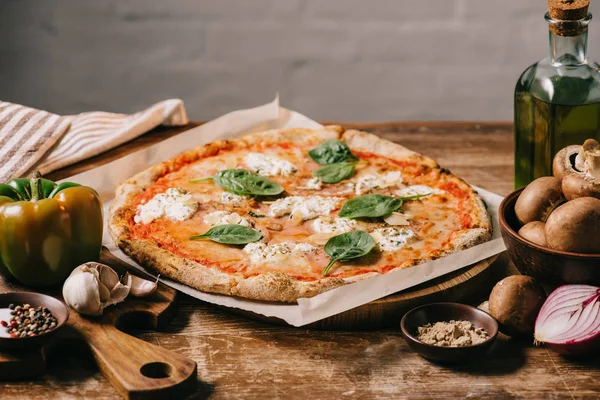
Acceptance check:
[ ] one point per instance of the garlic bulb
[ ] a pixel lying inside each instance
(92, 287)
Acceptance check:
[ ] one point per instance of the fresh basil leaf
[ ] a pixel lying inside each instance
(347, 246)
(230, 234)
(332, 152)
(244, 182)
(335, 173)
(255, 215)
(370, 206)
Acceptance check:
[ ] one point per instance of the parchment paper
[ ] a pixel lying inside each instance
(270, 116)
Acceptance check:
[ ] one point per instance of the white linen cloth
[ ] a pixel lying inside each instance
(33, 139)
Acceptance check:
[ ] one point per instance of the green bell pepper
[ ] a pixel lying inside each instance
(47, 229)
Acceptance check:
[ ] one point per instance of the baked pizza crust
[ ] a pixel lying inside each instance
(272, 286)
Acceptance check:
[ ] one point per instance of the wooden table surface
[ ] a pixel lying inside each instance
(240, 358)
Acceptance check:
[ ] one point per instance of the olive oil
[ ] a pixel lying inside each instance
(544, 128)
(557, 100)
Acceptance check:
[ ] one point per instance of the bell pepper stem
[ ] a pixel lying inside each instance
(37, 192)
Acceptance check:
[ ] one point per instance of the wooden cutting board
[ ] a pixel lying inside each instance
(464, 286)
(137, 369)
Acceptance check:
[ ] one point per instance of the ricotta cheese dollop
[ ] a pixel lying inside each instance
(175, 204)
(269, 166)
(391, 239)
(261, 253)
(233, 199)
(308, 207)
(224, 217)
(312, 184)
(366, 183)
(415, 190)
(333, 225)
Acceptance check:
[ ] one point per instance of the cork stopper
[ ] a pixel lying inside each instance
(568, 10)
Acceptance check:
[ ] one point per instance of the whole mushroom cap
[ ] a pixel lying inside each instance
(539, 199)
(580, 185)
(575, 226)
(515, 302)
(534, 231)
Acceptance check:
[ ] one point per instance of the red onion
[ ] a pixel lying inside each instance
(569, 321)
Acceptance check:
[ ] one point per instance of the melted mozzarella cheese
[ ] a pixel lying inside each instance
(224, 217)
(261, 253)
(366, 183)
(308, 207)
(333, 225)
(269, 166)
(175, 204)
(391, 239)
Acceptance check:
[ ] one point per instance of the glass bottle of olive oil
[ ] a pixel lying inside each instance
(557, 100)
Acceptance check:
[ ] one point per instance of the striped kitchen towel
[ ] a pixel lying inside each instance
(37, 140)
(26, 134)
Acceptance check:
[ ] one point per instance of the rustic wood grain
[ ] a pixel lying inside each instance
(137, 369)
(242, 358)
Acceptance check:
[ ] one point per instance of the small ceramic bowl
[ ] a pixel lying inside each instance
(544, 264)
(56, 307)
(438, 312)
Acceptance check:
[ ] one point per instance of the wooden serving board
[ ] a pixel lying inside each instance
(464, 286)
(137, 369)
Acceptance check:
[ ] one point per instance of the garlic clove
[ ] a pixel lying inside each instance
(140, 287)
(104, 292)
(118, 294)
(108, 276)
(396, 218)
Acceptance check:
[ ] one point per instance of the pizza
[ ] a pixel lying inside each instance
(291, 213)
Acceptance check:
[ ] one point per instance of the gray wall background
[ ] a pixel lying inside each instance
(330, 59)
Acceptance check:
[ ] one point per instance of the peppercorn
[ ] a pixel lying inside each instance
(29, 321)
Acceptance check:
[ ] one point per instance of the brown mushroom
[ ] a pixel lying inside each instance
(538, 200)
(564, 161)
(515, 302)
(535, 232)
(578, 167)
(575, 226)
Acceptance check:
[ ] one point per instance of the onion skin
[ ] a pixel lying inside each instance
(563, 303)
(573, 349)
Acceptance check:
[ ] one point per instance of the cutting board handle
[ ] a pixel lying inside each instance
(137, 369)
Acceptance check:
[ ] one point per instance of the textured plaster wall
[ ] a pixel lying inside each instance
(331, 59)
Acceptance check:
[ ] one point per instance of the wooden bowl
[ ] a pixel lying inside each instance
(437, 312)
(544, 264)
(56, 307)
